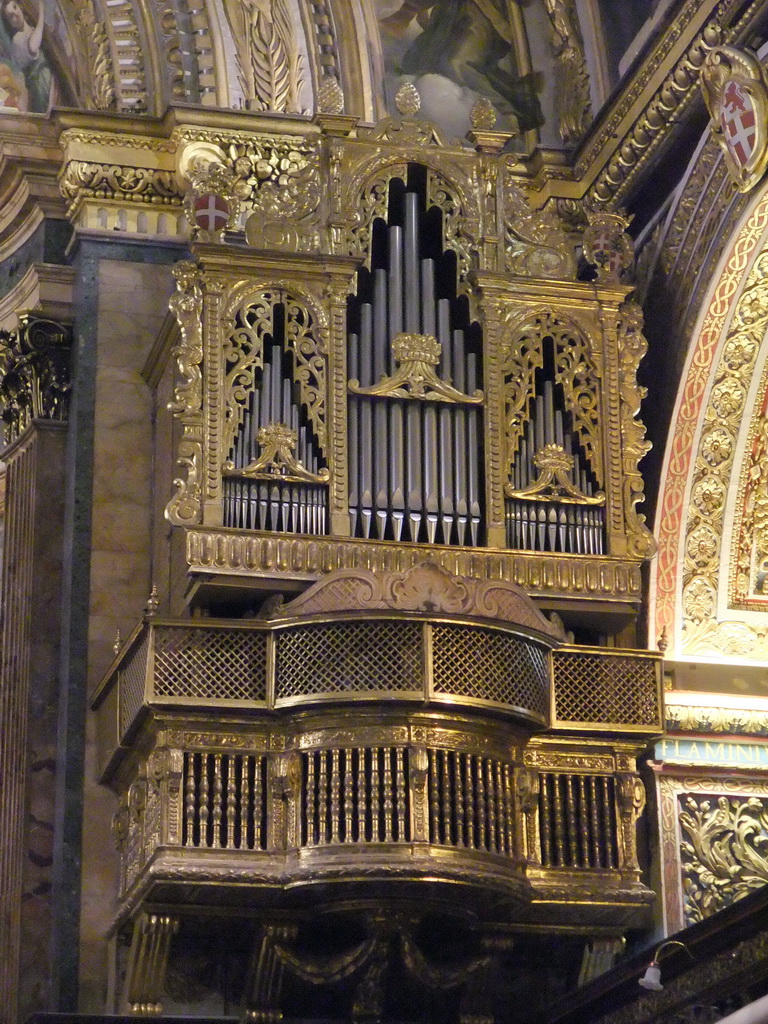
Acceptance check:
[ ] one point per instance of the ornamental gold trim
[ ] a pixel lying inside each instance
(415, 377)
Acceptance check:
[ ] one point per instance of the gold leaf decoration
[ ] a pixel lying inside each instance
(407, 100)
(483, 115)
(330, 98)
(101, 85)
(271, 66)
(724, 856)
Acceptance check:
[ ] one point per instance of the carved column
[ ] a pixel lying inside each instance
(495, 437)
(34, 393)
(630, 794)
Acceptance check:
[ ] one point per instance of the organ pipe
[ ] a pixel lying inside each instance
(408, 453)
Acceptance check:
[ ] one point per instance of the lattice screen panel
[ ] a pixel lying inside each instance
(490, 665)
(615, 690)
(349, 657)
(132, 681)
(211, 664)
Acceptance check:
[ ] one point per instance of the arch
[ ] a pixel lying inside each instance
(701, 590)
(249, 311)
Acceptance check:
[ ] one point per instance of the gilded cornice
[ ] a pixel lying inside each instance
(541, 575)
(708, 719)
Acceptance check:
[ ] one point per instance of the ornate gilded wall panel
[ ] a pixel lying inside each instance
(713, 834)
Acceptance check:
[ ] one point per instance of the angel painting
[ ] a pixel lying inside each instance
(25, 75)
(465, 48)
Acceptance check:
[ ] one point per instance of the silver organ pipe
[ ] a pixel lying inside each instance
(412, 476)
(574, 525)
(255, 500)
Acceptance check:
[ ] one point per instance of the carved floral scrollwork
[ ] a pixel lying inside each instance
(34, 373)
(534, 241)
(724, 856)
(288, 216)
(185, 507)
(373, 201)
(575, 369)
(242, 350)
(82, 179)
(632, 347)
(461, 223)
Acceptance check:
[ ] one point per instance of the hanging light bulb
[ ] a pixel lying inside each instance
(652, 977)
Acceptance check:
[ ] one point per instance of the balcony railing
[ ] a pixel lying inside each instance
(259, 666)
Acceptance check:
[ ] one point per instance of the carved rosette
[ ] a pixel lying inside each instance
(34, 373)
(185, 507)
(724, 852)
(535, 243)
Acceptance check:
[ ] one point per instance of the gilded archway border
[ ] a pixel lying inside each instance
(691, 413)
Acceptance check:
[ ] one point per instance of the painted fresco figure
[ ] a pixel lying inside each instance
(466, 41)
(27, 54)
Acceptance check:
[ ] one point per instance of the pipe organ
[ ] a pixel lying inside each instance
(409, 366)
(398, 400)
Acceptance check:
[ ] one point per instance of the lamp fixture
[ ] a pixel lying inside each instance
(652, 977)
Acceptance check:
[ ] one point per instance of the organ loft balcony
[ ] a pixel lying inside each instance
(414, 739)
(397, 406)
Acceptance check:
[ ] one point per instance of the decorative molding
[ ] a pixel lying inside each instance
(713, 719)
(254, 554)
(425, 586)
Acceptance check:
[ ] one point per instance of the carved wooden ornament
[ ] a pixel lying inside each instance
(736, 93)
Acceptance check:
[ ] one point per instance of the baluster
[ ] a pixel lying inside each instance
(361, 802)
(509, 813)
(189, 801)
(469, 791)
(434, 803)
(573, 839)
(258, 783)
(231, 801)
(387, 794)
(481, 804)
(610, 859)
(458, 789)
(583, 820)
(335, 795)
(400, 792)
(322, 809)
(218, 790)
(594, 817)
(347, 798)
(245, 802)
(493, 842)
(499, 802)
(204, 795)
(375, 797)
(545, 822)
(311, 836)
(447, 815)
(559, 821)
